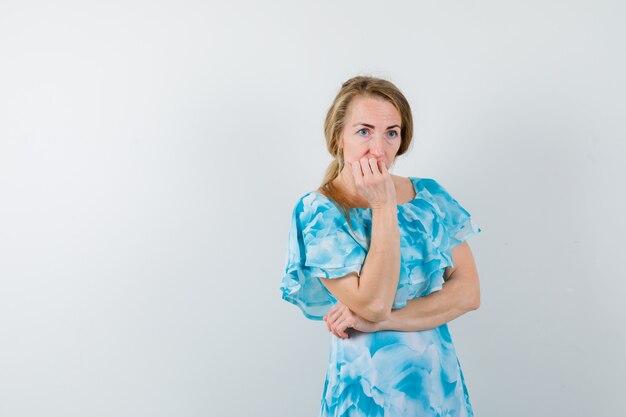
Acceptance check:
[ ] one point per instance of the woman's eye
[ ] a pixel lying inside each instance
(393, 134)
(362, 130)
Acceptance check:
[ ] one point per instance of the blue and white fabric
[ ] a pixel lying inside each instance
(386, 373)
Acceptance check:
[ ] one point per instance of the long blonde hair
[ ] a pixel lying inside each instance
(335, 122)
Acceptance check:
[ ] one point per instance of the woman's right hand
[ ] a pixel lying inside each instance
(374, 182)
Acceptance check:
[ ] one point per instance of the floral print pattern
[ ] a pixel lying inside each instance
(385, 373)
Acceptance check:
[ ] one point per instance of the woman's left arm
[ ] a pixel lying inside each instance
(459, 294)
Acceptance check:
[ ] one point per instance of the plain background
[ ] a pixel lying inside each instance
(151, 153)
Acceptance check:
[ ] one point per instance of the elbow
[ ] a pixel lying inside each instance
(473, 302)
(472, 298)
(376, 313)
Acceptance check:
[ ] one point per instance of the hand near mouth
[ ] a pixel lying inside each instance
(374, 182)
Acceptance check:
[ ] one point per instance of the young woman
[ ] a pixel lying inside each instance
(383, 260)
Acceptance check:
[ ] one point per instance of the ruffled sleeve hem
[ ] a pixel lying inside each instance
(303, 288)
(466, 229)
(455, 221)
(320, 246)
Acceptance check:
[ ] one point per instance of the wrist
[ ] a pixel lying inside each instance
(387, 208)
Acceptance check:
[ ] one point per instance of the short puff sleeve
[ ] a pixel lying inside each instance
(455, 222)
(320, 245)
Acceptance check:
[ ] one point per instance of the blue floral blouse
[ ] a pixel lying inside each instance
(385, 373)
(322, 245)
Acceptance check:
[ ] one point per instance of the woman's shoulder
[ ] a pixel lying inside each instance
(403, 184)
(315, 213)
(430, 185)
(313, 203)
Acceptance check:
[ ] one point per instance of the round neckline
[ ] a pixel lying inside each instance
(413, 180)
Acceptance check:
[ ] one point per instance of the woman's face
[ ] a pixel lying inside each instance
(372, 130)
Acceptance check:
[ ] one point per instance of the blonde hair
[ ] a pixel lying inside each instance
(335, 121)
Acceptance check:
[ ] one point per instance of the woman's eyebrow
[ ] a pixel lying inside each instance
(368, 125)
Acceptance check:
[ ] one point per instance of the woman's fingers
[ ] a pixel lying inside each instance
(357, 174)
(373, 165)
(366, 168)
(334, 329)
(335, 332)
(327, 324)
(383, 168)
(333, 314)
(341, 326)
(340, 318)
(340, 321)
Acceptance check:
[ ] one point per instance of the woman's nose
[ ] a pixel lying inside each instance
(376, 145)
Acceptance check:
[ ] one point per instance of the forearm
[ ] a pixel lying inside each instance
(459, 295)
(379, 275)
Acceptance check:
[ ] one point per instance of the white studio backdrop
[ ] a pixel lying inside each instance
(151, 154)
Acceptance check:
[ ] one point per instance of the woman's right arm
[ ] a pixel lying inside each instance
(372, 294)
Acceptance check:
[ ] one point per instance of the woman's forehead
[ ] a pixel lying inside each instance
(372, 111)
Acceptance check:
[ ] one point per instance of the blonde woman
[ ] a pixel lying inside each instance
(383, 260)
